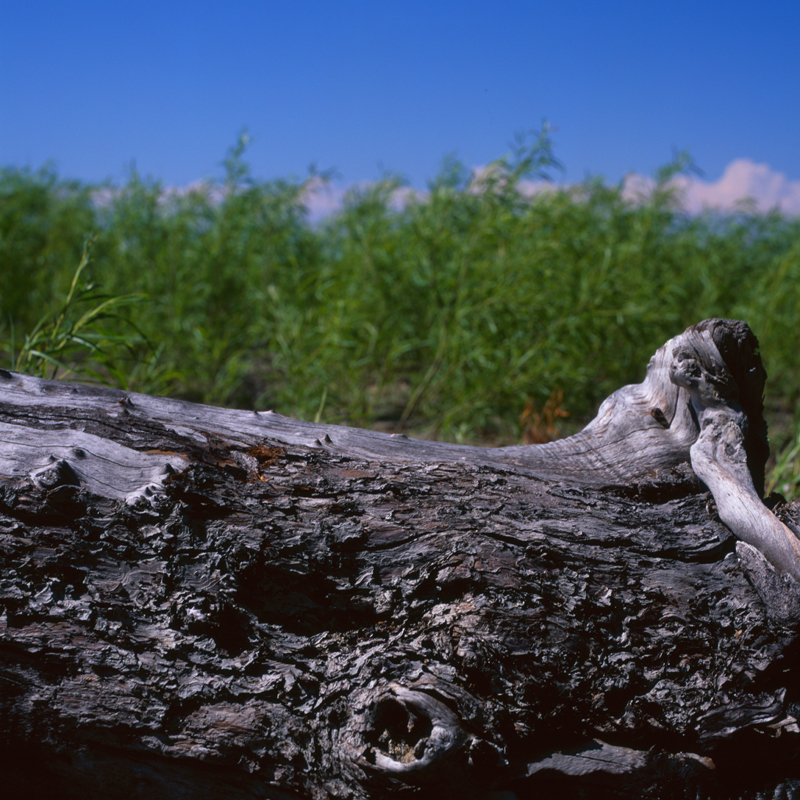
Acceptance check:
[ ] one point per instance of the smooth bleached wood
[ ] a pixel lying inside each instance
(640, 431)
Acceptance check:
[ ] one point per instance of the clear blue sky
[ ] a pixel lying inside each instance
(372, 87)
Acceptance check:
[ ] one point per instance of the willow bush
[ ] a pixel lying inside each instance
(450, 312)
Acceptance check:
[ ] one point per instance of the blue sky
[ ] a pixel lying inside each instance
(368, 88)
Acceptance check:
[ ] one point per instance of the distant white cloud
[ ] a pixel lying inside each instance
(743, 185)
(201, 188)
(323, 199)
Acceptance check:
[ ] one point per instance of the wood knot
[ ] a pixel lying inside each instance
(57, 473)
(411, 733)
(658, 415)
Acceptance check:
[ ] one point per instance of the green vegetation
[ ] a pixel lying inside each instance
(75, 337)
(462, 313)
(784, 476)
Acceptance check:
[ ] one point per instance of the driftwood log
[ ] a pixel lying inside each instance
(205, 603)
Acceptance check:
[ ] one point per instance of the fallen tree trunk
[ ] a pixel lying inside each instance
(205, 603)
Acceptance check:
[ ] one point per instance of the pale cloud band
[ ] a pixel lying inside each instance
(744, 186)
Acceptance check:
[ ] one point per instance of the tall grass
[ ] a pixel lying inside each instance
(457, 313)
(77, 337)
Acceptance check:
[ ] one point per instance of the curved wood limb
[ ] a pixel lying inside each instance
(718, 456)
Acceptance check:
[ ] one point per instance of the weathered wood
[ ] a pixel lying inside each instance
(209, 603)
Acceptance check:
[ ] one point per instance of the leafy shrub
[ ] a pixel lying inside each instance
(451, 312)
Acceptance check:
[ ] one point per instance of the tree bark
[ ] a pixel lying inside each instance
(207, 603)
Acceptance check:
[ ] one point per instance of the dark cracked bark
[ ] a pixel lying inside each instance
(201, 603)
